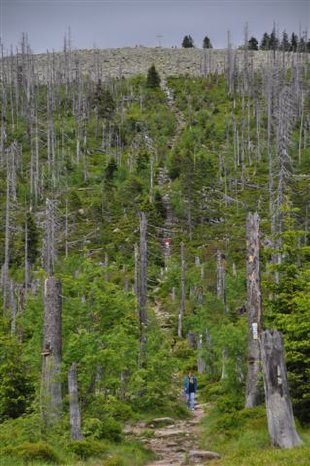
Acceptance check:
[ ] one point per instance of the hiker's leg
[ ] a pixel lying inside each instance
(188, 399)
(192, 400)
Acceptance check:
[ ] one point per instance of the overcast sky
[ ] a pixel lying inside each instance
(126, 23)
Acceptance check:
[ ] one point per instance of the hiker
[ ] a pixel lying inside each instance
(190, 389)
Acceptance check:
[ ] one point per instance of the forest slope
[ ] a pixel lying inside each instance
(83, 161)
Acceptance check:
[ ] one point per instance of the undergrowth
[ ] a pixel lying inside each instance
(240, 436)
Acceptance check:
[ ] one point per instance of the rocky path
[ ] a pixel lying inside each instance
(175, 442)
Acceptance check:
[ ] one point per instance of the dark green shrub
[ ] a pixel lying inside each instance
(112, 407)
(16, 389)
(229, 403)
(227, 424)
(40, 451)
(108, 428)
(87, 448)
(111, 429)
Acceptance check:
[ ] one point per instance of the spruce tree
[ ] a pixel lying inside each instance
(265, 42)
(153, 78)
(187, 42)
(274, 41)
(253, 44)
(285, 44)
(207, 43)
(294, 42)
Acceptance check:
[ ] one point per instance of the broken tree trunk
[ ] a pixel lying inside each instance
(142, 288)
(221, 294)
(182, 304)
(253, 391)
(221, 278)
(51, 400)
(281, 424)
(142, 296)
(75, 414)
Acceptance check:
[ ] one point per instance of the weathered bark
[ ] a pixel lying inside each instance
(142, 289)
(224, 363)
(106, 265)
(142, 297)
(281, 424)
(136, 280)
(26, 262)
(75, 414)
(221, 294)
(221, 278)
(13, 307)
(182, 304)
(50, 232)
(253, 392)
(201, 363)
(51, 401)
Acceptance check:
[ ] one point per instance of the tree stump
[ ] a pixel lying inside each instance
(281, 424)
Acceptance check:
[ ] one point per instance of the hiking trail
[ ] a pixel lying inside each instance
(175, 442)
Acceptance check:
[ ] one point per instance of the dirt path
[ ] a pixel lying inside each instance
(175, 442)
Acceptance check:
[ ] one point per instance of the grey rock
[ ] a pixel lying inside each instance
(203, 455)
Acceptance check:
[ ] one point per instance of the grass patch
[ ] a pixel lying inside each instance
(241, 437)
(23, 442)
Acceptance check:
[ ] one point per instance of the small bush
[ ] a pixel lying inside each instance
(228, 424)
(114, 461)
(87, 448)
(112, 407)
(30, 452)
(108, 428)
(213, 391)
(229, 403)
(111, 429)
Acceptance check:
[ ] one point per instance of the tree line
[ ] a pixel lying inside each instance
(272, 41)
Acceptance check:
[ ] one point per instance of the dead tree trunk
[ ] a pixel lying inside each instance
(136, 278)
(281, 424)
(182, 304)
(253, 392)
(201, 363)
(51, 400)
(142, 288)
(221, 294)
(220, 278)
(143, 266)
(75, 414)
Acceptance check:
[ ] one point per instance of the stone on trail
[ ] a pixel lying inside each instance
(203, 455)
(161, 422)
(170, 433)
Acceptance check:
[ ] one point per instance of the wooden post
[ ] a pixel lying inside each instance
(75, 414)
(182, 304)
(51, 401)
(281, 424)
(253, 392)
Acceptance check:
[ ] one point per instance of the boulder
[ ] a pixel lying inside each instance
(161, 422)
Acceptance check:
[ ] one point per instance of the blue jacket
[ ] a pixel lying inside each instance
(186, 384)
